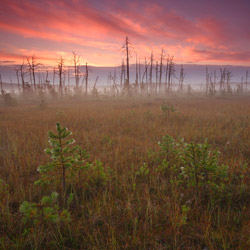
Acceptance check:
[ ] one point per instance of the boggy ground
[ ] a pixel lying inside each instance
(133, 206)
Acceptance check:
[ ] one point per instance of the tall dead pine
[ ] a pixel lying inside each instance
(60, 72)
(161, 67)
(1, 84)
(33, 65)
(151, 69)
(76, 62)
(86, 78)
(126, 50)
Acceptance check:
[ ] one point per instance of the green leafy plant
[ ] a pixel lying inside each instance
(167, 109)
(193, 166)
(201, 168)
(170, 153)
(46, 211)
(97, 174)
(143, 170)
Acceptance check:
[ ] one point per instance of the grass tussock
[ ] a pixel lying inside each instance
(136, 189)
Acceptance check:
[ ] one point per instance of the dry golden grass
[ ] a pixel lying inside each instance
(124, 133)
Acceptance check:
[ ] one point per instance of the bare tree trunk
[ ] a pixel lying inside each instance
(140, 73)
(76, 61)
(181, 78)
(161, 64)
(122, 80)
(156, 76)
(1, 84)
(54, 73)
(146, 70)
(86, 78)
(18, 82)
(113, 78)
(68, 76)
(246, 79)
(60, 74)
(136, 72)
(11, 84)
(22, 75)
(127, 59)
(167, 72)
(32, 68)
(151, 69)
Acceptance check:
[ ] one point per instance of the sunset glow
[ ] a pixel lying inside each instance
(194, 31)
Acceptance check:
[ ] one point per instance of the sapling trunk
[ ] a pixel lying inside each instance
(63, 169)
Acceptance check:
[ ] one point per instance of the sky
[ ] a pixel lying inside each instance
(193, 31)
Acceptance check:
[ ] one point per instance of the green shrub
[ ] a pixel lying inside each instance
(192, 166)
(66, 159)
(69, 165)
(201, 169)
(167, 109)
(44, 212)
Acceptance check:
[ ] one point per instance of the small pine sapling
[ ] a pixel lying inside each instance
(45, 212)
(66, 162)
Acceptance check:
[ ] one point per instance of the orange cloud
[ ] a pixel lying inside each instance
(97, 32)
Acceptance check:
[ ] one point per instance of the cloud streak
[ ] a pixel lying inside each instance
(97, 29)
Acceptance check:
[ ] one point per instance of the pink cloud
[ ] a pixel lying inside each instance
(226, 55)
(81, 25)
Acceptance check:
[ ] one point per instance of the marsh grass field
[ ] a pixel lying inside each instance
(136, 198)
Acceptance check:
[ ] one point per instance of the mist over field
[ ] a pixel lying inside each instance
(195, 75)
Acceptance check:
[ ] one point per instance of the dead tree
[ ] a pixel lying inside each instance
(1, 85)
(60, 72)
(22, 72)
(223, 76)
(161, 67)
(139, 69)
(76, 61)
(145, 75)
(86, 78)
(11, 84)
(151, 68)
(215, 78)
(181, 78)
(95, 91)
(127, 58)
(68, 73)
(127, 51)
(123, 72)
(167, 76)
(228, 79)
(32, 68)
(47, 81)
(113, 80)
(246, 79)
(156, 76)
(169, 72)
(54, 75)
(17, 76)
(136, 71)
(212, 83)
(146, 71)
(207, 80)
(39, 79)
